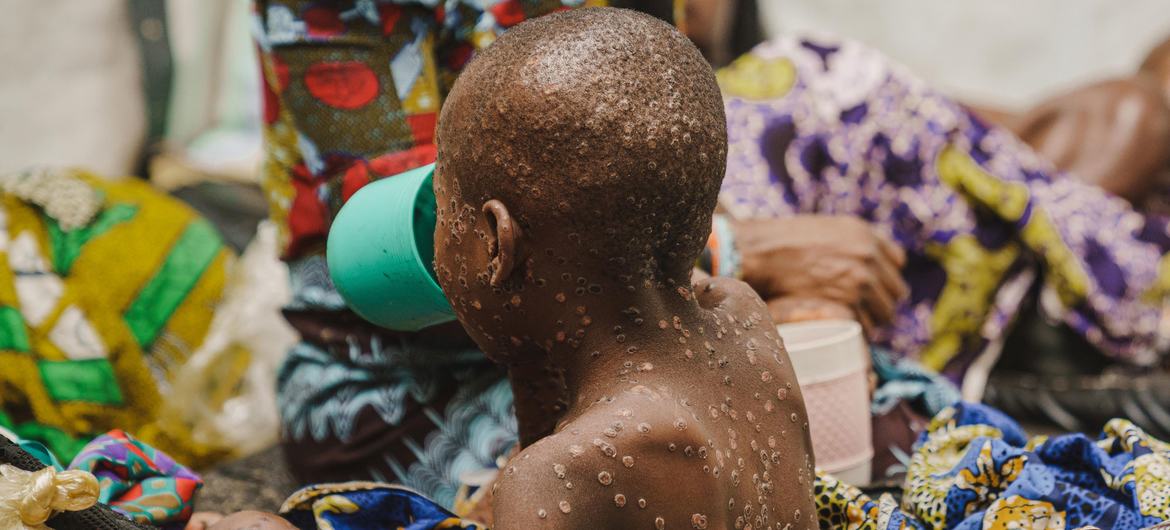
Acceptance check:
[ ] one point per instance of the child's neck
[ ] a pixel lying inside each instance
(632, 338)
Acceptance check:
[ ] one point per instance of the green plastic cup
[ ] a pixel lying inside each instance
(381, 249)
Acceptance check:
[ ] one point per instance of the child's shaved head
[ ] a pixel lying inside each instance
(601, 127)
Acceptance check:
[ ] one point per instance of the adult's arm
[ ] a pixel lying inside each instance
(1114, 134)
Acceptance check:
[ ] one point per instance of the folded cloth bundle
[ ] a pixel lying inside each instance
(139, 481)
(1121, 480)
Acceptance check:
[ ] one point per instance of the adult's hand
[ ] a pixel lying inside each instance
(789, 309)
(836, 258)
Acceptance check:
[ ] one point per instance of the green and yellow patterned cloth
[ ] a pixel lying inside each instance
(106, 287)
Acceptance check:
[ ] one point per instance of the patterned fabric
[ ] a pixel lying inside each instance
(367, 506)
(720, 257)
(138, 480)
(841, 506)
(97, 310)
(828, 127)
(975, 468)
(905, 380)
(907, 396)
(64, 198)
(352, 92)
(408, 412)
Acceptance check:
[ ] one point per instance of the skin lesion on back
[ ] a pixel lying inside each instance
(611, 469)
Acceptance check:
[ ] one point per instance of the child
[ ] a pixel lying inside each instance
(579, 161)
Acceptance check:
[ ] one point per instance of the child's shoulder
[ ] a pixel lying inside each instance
(620, 465)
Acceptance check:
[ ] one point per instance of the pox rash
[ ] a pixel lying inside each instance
(698, 407)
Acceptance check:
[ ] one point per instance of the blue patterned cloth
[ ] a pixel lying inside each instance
(975, 468)
(359, 403)
(367, 506)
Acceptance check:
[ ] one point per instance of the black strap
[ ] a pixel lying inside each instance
(148, 23)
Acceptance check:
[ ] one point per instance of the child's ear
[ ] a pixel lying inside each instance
(503, 241)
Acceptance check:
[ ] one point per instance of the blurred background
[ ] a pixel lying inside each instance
(88, 104)
(999, 53)
(96, 91)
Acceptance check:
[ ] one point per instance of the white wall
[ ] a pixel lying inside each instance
(1004, 52)
(71, 90)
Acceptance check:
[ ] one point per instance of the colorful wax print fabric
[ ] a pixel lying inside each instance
(976, 469)
(106, 287)
(352, 93)
(368, 506)
(820, 126)
(138, 480)
(353, 90)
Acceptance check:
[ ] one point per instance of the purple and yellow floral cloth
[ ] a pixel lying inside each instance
(833, 127)
(139, 481)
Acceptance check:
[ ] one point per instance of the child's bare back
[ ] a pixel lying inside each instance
(713, 436)
(580, 157)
